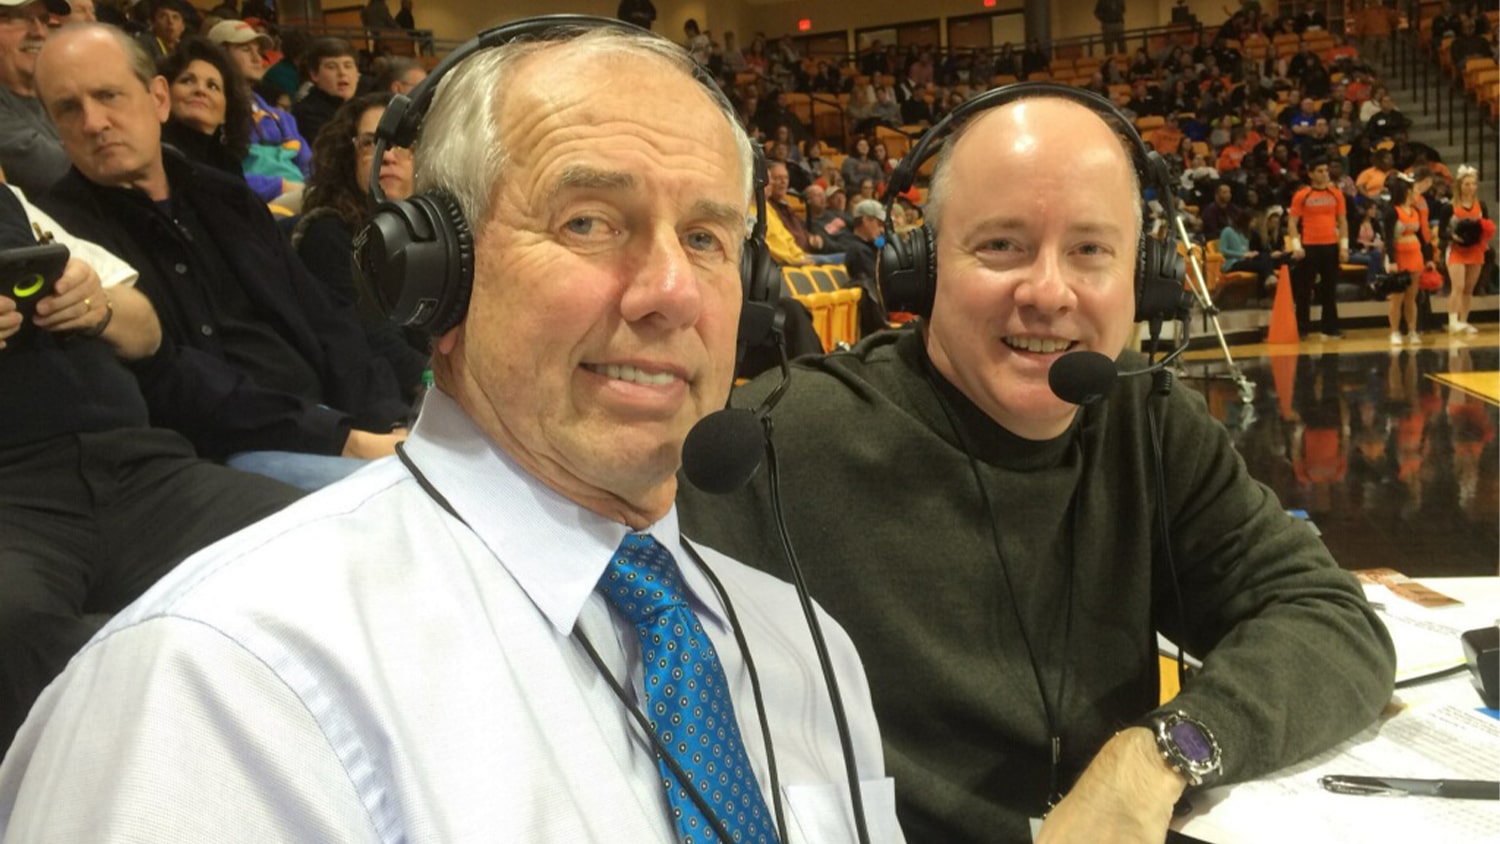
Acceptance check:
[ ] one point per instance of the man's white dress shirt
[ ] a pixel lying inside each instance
(364, 667)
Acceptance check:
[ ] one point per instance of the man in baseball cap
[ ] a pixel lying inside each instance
(861, 245)
(30, 149)
(228, 34)
(280, 157)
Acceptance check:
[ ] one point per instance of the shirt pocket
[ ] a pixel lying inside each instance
(819, 813)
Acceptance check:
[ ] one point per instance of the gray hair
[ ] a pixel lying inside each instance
(462, 149)
(940, 184)
(141, 65)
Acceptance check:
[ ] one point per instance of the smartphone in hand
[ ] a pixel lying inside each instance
(29, 274)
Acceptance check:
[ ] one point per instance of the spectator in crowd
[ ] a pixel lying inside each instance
(860, 165)
(1072, 561)
(787, 235)
(859, 244)
(1243, 250)
(1469, 44)
(1034, 59)
(278, 158)
(30, 150)
(882, 156)
(377, 15)
(826, 79)
(1301, 124)
(700, 45)
(166, 29)
(1216, 214)
(821, 218)
(1408, 251)
(1447, 23)
(83, 11)
(271, 376)
(399, 76)
(1232, 156)
(1167, 137)
(886, 111)
(1343, 181)
(1370, 106)
(1372, 180)
(916, 111)
(96, 504)
(1368, 250)
(405, 20)
(1386, 122)
(414, 596)
(281, 78)
(210, 114)
(732, 58)
(1111, 17)
(338, 205)
(331, 65)
(1310, 17)
(1318, 143)
(642, 13)
(1197, 179)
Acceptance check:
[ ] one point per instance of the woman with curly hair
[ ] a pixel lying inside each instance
(210, 117)
(337, 204)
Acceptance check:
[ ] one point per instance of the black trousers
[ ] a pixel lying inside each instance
(1320, 267)
(87, 523)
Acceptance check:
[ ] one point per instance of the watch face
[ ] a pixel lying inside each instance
(1191, 741)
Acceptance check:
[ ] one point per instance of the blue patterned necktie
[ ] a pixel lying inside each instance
(687, 697)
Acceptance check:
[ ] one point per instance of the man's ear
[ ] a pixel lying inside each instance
(445, 343)
(161, 96)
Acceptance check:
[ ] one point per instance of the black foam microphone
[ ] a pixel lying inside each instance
(1084, 377)
(723, 451)
(725, 448)
(1081, 377)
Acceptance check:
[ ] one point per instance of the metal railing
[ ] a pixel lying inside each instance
(1443, 96)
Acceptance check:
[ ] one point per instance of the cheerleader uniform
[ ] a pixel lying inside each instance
(1467, 254)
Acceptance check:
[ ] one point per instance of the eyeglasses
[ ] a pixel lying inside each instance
(364, 144)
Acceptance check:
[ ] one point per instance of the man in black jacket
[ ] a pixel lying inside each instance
(255, 358)
(95, 504)
(332, 66)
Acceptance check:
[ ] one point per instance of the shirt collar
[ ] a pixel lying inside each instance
(555, 549)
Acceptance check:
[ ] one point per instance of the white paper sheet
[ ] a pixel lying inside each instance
(1432, 740)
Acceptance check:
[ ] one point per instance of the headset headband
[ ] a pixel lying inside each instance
(1147, 162)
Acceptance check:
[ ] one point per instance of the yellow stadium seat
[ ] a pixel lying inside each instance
(798, 281)
(822, 277)
(821, 306)
(844, 327)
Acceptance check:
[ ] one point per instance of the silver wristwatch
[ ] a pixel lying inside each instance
(1188, 745)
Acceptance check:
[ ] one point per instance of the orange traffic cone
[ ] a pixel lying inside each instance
(1283, 311)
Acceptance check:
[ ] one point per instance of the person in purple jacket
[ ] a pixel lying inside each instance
(280, 159)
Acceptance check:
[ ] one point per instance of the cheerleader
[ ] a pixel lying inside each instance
(1466, 252)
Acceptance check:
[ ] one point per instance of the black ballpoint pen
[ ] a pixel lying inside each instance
(1403, 786)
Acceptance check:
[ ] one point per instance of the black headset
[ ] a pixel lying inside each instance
(417, 255)
(906, 269)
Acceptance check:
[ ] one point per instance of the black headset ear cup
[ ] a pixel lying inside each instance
(1159, 291)
(760, 280)
(417, 257)
(906, 271)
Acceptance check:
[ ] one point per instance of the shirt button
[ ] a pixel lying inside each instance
(208, 330)
(181, 269)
